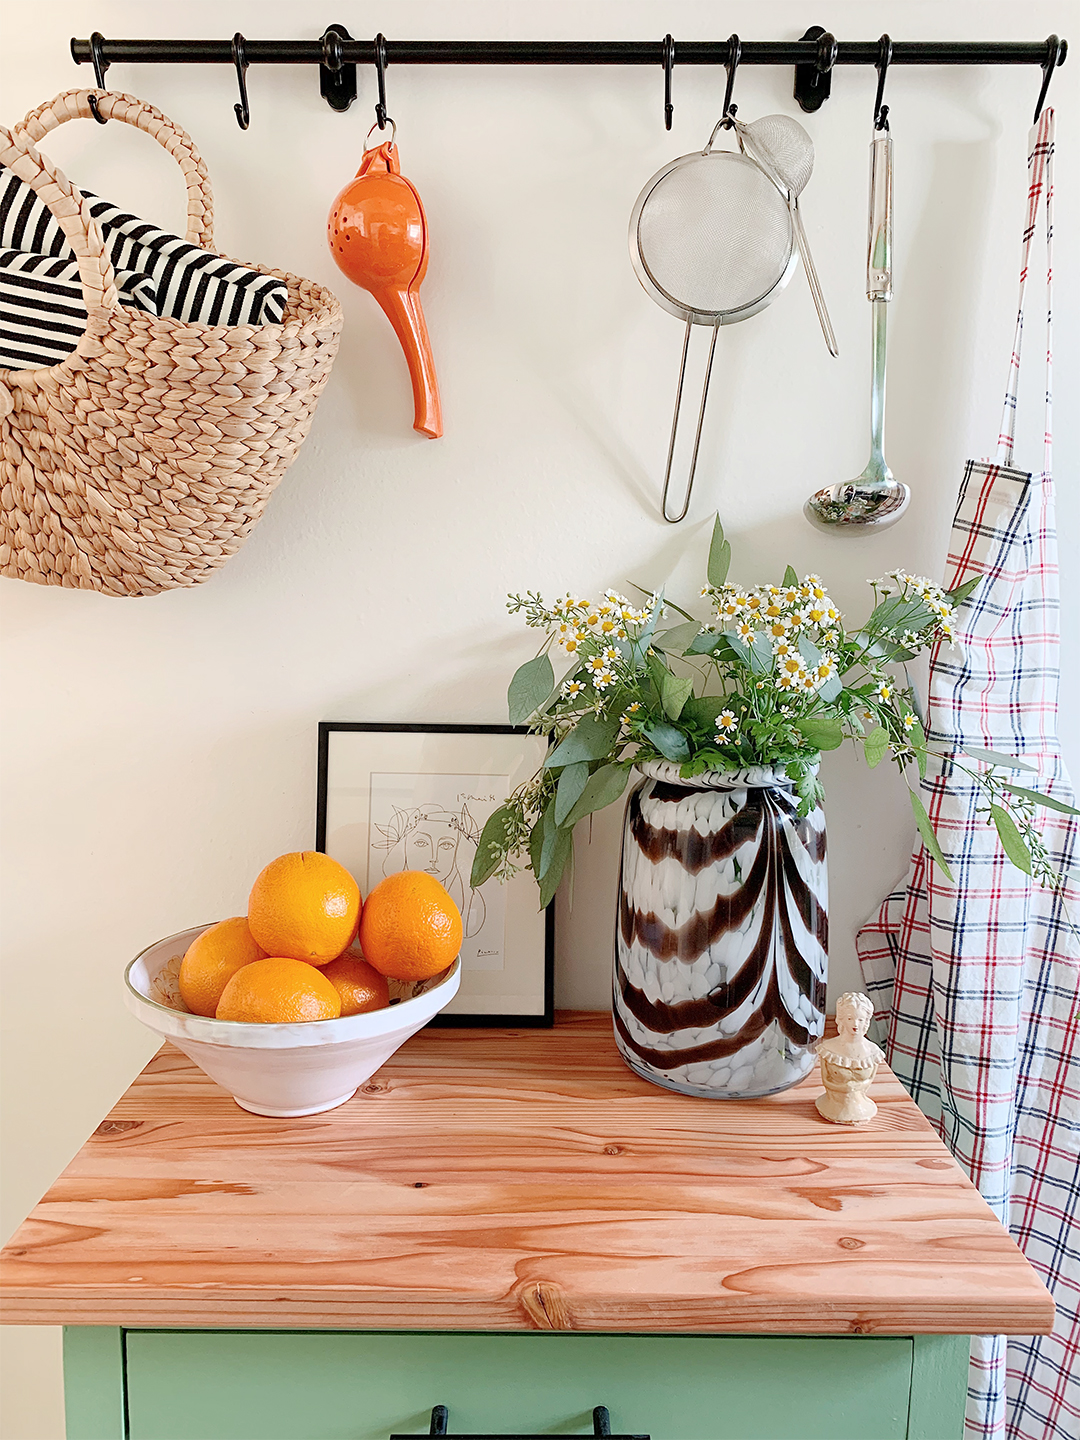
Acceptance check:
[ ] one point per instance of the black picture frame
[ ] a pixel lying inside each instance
(327, 728)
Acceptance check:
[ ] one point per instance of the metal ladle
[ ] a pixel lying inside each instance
(875, 499)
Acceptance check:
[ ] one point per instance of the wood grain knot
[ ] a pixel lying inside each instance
(545, 1304)
(848, 1242)
(420, 1185)
(613, 1149)
(373, 1087)
(117, 1127)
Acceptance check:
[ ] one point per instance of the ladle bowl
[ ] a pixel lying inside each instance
(854, 506)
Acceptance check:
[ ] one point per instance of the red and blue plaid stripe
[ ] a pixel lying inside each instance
(976, 985)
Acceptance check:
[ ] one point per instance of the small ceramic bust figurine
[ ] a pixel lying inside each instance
(849, 1062)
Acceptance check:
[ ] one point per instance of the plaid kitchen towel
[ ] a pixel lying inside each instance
(976, 985)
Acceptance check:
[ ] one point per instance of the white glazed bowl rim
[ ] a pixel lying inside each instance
(406, 1016)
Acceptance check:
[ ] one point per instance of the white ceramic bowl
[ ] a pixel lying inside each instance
(279, 1069)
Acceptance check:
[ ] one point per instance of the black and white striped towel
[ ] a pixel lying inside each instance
(189, 283)
(42, 311)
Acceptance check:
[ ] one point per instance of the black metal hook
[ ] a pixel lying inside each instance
(669, 62)
(97, 40)
(1056, 51)
(734, 56)
(884, 60)
(813, 78)
(380, 72)
(239, 59)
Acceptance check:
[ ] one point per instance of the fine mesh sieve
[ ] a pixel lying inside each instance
(712, 241)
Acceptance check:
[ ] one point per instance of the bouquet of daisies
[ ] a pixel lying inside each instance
(771, 676)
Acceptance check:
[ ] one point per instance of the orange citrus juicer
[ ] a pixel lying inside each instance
(379, 237)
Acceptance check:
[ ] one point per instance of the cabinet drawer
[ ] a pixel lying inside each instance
(333, 1385)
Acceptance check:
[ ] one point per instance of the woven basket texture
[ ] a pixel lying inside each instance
(142, 461)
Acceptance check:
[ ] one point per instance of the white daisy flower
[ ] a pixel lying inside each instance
(570, 688)
(727, 723)
(601, 679)
(909, 721)
(884, 690)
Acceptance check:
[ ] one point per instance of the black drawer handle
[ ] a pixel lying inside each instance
(440, 1419)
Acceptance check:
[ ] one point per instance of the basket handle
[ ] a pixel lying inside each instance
(72, 212)
(114, 105)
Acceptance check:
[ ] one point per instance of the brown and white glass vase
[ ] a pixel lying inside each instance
(721, 945)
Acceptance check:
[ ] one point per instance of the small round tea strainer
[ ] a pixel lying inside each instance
(712, 240)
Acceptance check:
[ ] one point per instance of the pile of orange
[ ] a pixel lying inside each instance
(291, 958)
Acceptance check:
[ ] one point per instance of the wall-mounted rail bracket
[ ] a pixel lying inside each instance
(813, 79)
(337, 78)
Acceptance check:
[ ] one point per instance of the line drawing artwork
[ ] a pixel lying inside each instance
(432, 823)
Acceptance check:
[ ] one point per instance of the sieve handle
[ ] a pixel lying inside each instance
(674, 519)
(879, 241)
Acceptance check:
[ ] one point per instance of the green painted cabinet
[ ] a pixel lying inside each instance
(348, 1385)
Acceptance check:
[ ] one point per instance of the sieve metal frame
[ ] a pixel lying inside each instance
(660, 296)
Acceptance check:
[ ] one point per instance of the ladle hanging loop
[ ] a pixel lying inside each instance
(884, 60)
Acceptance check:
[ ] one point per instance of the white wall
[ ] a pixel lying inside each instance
(157, 752)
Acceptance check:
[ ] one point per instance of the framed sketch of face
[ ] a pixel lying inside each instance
(416, 797)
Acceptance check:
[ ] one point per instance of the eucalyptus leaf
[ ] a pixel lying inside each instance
(790, 577)
(809, 652)
(995, 757)
(676, 640)
(702, 710)
(739, 649)
(536, 839)
(671, 743)
(1050, 801)
(1012, 842)
(719, 556)
(592, 738)
(926, 830)
(603, 789)
(831, 690)
(485, 863)
(824, 732)
(918, 744)
(704, 643)
(561, 850)
(876, 746)
(960, 593)
(674, 693)
(760, 654)
(571, 783)
(531, 686)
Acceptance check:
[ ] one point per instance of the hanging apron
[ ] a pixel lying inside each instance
(976, 985)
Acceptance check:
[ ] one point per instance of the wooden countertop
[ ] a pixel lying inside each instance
(514, 1180)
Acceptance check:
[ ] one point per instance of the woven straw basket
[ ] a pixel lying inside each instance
(143, 460)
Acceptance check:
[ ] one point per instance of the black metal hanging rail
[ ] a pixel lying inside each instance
(337, 54)
(565, 52)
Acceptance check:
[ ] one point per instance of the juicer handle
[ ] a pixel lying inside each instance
(404, 311)
(879, 243)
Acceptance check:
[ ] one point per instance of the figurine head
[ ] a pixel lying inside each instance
(854, 1011)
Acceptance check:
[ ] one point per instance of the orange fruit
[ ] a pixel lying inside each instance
(279, 991)
(212, 960)
(410, 928)
(359, 984)
(306, 906)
